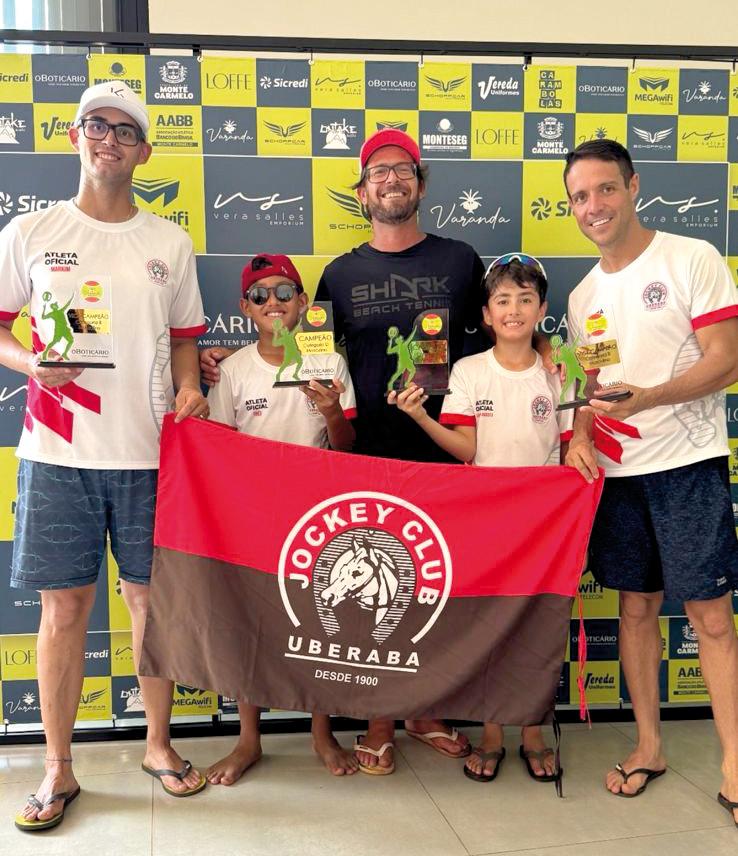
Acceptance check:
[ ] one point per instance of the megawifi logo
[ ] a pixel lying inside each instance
(150, 189)
(285, 131)
(657, 84)
(350, 204)
(396, 126)
(445, 85)
(184, 690)
(653, 137)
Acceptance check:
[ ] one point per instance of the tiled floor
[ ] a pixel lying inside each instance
(288, 805)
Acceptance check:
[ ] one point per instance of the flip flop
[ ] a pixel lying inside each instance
(429, 736)
(527, 754)
(26, 825)
(376, 770)
(157, 774)
(495, 755)
(728, 806)
(649, 774)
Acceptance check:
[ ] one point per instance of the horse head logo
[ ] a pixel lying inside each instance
(366, 574)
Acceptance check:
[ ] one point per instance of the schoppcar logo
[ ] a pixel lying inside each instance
(371, 552)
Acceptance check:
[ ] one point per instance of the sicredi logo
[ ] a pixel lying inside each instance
(266, 81)
(541, 208)
(24, 204)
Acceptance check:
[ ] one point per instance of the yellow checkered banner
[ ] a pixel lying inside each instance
(259, 155)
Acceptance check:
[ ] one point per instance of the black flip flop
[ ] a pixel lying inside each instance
(728, 806)
(649, 774)
(527, 754)
(496, 755)
(157, 774)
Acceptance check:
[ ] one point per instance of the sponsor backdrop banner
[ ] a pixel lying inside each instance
(260, 154)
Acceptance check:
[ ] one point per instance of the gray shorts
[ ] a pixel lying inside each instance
(64, 515)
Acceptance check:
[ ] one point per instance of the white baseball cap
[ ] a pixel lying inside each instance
(114, 93)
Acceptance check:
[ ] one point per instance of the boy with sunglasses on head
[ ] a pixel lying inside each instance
(502, 413)
(310, 415)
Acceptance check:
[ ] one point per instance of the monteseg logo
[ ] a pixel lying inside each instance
(363, 552)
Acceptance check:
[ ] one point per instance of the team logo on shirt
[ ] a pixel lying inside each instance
(654, 296)
(158, 271)
(596, 323)
(541, 408)
(372, 566)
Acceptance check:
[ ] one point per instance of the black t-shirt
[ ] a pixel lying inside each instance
(371, 291)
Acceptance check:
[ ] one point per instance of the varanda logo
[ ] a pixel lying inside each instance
(363, 552)
(470, 201)
(27, 703)
(227, 133)
(703, 92)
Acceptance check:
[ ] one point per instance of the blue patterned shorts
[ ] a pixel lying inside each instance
(63, 517)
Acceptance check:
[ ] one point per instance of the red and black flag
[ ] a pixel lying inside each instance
(322, 581)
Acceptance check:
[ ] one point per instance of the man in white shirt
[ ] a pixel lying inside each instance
(90, 444)
(658, 316)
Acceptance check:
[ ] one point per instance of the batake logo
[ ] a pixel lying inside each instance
(133, 700)
(445, 140)
(550, 142)
(337, 135)
(10, 127)
(470, 200)
(376, 570)
(703, 93)
(495, 87)
(173, 75)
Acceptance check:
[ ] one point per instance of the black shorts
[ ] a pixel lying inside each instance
(671, 531)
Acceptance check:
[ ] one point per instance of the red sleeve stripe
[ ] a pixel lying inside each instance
(8, 316)
(457, 419)
(713, 317)
(187, 332)
(566, 436)
(350, 413)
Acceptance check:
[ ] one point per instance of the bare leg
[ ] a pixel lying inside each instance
(640, 654)
(378, 731)
(492, 739)
(60, 655)
(157, 698)
(532, 738)
(246, 752)
(337, 760)
(713, 621)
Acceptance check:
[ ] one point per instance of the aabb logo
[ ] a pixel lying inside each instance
(372, 567)
(542, 208)
(176, 120)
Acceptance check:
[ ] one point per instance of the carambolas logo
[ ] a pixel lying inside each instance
(150, 189)
(373, 569)
(657, 84)
(445, 85)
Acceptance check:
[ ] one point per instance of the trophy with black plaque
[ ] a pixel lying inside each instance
(422, 355)
(312, 336)
(594, 366)
(78, 329)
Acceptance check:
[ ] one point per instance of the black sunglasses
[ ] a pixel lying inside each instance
(259, 294)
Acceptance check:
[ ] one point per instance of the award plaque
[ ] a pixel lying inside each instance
(79, 327)
(312, 336)
(422, 355)
(588, 367)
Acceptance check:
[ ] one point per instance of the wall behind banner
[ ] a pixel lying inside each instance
(257, 154)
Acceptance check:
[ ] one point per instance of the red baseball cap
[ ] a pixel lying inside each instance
(264, 265)
(389, 137)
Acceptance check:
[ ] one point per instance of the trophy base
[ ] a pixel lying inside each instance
(610, 396)
(321, 380)
(74, 364)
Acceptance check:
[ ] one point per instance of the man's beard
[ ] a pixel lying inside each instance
(399, 212)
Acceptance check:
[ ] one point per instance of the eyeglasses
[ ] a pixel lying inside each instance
(259, 294)
(523, 258)
(403, 170)
(97, 129)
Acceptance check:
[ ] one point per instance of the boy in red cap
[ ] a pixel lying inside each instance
(310, 415)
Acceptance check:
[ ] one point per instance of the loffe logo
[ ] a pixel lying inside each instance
(350, 204)
(497, 87)
(284, 131)
(150, 189)
(173, 72)
(337, 134)
(657, 84)
(91, 697)
(394, 125)
(445, 86)
(655, 137)
(703, 92)
(363, 552)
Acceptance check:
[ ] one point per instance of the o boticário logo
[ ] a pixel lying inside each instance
(91, 291)
(431, 325)
(363, 578)
(316, 316)
(596, 324)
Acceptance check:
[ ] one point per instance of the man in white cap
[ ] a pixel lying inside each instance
(90, 443)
